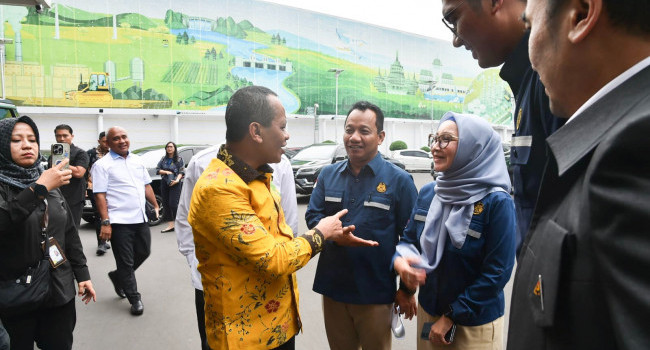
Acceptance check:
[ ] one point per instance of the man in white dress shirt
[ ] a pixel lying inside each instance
(121, 185)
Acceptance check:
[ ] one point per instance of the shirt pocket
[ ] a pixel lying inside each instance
(377, 209)
(333, 201)
(474, 241)
(549, 250)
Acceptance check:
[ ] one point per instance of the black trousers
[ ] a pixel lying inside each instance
(50, 328)
(170, 197)
(200, 317)
(131, 247)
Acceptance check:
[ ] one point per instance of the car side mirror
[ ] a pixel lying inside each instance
(338, 159)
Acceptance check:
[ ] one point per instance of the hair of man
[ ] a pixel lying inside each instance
(63, 127)
(365, 105)
(247, 105)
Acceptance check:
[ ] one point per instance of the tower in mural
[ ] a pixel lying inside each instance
(395, 83)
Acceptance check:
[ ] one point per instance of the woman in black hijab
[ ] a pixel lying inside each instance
(27, 194)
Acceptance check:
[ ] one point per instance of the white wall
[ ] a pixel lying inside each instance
(157, 127)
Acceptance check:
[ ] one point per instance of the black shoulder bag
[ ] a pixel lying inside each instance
(29, 291)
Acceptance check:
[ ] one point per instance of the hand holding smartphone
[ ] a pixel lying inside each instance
(59, 152)
(449, 336)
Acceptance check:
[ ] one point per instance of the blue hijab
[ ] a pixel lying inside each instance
(478, 169)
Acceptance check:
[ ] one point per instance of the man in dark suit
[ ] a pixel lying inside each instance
(583, 275)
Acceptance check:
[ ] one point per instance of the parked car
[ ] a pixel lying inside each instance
(414, 159)
(7, 109)
(291, 151)
(150, 157)
(308, 163)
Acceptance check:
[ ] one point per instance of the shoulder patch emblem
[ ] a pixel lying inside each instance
(381, 188)
(478, 208)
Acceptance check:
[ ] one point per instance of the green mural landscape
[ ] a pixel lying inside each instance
(74, 55)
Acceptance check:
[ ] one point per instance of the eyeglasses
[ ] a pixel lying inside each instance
(445, 21)
(442, 140)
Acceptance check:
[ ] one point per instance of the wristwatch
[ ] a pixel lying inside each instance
(39, 190)
(106, 222)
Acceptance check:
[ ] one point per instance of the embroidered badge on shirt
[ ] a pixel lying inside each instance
(518, 119)
(381, 188)
(478, 208)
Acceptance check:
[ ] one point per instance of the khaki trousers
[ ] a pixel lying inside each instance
(353, 326)
(488, 336)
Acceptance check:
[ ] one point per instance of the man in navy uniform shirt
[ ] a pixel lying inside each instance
(496, 35)
(357, 284)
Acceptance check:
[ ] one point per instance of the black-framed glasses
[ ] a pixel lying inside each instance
(442, 140)
(445, 21)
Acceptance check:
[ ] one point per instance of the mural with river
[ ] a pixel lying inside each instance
(192, 55)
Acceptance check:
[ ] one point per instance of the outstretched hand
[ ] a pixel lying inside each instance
(332, 229)
(347, 238)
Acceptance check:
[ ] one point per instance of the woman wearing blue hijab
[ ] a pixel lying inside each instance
(459, 244)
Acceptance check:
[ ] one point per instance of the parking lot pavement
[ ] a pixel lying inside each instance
(169, 320)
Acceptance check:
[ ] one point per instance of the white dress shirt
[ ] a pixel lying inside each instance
(123, 180)
(282, 178)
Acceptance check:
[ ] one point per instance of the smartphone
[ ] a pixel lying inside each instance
(449, 337)
(60, 151)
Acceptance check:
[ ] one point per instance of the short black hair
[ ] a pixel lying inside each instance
(247, 105)
(363, 106)
(63, 127)
(630, 15)
(102, 135)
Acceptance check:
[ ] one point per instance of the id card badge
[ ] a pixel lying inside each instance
(55, 252)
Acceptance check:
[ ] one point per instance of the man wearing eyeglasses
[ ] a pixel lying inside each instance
(495, 34)
(582, 278)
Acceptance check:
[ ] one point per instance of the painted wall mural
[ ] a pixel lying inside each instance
(192, 55)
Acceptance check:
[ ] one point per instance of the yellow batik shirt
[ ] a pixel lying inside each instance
(247, 256)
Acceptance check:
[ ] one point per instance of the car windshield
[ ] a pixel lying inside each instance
(150, 158)
(323, 152)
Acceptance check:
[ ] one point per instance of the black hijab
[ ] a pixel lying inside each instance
(10, 172)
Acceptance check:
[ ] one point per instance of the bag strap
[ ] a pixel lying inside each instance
(44, 223)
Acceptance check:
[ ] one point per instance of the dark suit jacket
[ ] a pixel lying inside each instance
(589, 241)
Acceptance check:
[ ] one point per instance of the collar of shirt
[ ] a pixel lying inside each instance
(114, 155)
(243, 170)
(516, 65)
(373, 165)
(614, 83)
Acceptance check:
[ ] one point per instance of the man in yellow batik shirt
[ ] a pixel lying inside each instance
(247, 253)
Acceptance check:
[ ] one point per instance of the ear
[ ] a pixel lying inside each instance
(255, 132)
(495, 6)
(584, 16)
(382, 135)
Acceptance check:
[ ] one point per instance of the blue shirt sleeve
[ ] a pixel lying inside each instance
(316, 208)
(498, 261)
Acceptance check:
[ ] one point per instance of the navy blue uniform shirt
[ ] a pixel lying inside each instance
(379, 202)
(534, 122)
(470, 279)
